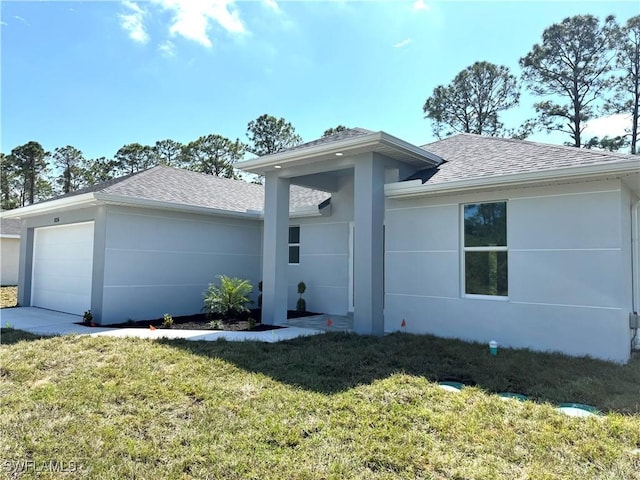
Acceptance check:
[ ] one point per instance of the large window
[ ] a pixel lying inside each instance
(485, 249)
(294, 245)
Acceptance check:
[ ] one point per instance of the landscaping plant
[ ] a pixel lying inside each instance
(167, 321)
(229, 299)
(301, 305)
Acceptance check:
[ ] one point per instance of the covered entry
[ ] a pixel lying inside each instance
(63, 267)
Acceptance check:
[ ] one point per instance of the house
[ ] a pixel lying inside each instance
(470, 237)
(9, 251)
(145, 244)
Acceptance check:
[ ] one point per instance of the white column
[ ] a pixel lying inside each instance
(368, 316)
(275, 250)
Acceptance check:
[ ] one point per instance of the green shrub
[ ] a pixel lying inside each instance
(167, 321)
(301, 305)
(252, 323)
(230, 299)
(215, 324)
(87, 317)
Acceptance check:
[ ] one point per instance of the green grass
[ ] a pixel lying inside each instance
(331, 406)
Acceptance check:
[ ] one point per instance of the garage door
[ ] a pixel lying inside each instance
(62, 268)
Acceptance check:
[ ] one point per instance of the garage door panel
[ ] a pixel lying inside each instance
(62, 268)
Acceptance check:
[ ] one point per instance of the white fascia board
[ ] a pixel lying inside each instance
(418, 152)
(7, 235)
(412, 188)
(369, 140)
(74, 201)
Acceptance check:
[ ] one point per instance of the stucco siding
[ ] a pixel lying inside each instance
(159, 262)
(566, 249)
(9, 260)
(324, 256)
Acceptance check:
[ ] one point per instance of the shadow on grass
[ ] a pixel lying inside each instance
(9, 336)
(335, 362)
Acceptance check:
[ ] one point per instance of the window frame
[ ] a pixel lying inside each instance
(498, 248)
(293, 245)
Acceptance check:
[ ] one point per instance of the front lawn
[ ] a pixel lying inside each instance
(331, 406)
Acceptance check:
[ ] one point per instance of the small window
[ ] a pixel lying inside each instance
(294, 245)
(485, 249)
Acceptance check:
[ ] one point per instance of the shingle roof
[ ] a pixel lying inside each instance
(184, 187)
(343, 135)
(471, 156)
(9, 226)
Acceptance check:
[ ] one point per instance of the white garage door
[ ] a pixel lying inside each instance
(62, 268)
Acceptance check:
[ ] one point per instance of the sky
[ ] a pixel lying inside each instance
(101, 74)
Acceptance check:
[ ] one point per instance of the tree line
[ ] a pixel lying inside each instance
(29, 173)
(583, 68)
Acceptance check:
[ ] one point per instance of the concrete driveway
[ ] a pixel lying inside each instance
(47, 322)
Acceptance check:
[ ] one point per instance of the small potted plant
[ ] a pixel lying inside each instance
(301, 305)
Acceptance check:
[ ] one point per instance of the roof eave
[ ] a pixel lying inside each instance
(417, 188)
(75, 201)
(347, 146)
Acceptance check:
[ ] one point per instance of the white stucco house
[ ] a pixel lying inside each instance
(9, 251)
(470, 237)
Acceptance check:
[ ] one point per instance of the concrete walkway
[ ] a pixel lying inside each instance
(46, 322)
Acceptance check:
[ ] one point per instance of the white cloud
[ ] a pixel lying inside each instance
(167, 49)
(4, 23)
(191, 18)
(132, 22)
(420, 5)
(403, 43)
(272, 4)
(611, 125)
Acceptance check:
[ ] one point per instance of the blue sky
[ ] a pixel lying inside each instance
(98, 75)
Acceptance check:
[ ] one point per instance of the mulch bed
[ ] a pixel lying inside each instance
(200, 321)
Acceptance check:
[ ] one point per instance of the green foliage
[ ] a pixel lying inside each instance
(168, 152)
(301, 304)
(167, 321)
(573, 63)
(215, 324)
(229, 299)
(626, 87)
(333, 130)
(606, 143)
(134, 157)
(87, 317)
(472, 102)
(213, 155)
(252, 323)
(268, 134)
(22, 175)
(68, 159)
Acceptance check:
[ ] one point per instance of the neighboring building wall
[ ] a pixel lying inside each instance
(9, 260)
(160, 262)
(569, 270)
(324, 256)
